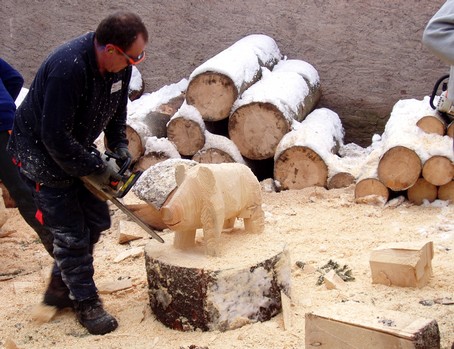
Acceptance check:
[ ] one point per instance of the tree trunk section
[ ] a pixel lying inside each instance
(300, 167)
(432, 124)
(218, 149)
(446, 192)
(190, 291)
(450, 131)
(341, 180)
(371, 191)
(422, 190)
(438, 170)
(215, 85)
(136, 146)
(187, 135)
(257, 128)
(399, 168)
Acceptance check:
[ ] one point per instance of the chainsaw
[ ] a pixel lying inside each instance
(445, 106)
(118, 189)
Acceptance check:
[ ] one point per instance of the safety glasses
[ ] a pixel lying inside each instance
(131, 60)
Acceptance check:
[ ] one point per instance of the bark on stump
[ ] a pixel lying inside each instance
(399, 168)
(438, 170)
(189, 291)
(422, 190)
(215, 85)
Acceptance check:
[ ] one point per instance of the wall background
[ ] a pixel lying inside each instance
(368, 53)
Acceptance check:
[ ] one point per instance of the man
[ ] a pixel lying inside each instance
(79, 91)
(11, 82)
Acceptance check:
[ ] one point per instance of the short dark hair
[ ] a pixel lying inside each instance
(121, 29)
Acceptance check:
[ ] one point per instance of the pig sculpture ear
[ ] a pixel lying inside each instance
(206, 179)
(180, 173)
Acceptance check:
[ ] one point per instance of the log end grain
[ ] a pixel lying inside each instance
(213, 94)
(300, 167)
(399, 168)
(371, 191)
(438, 170)
(446, 192)
(187, 135)
(256, 129)
(422, 190)
(212, 156)
(136, 147)
(190, 291)
(432, 124)
(341, 180)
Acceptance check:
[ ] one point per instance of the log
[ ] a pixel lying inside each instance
(450, 130)
(156, 150)
(432, 124)
(352, 325)
(171, 107)
(399, 168)
(446, 192)
(218, 149)
(135, 146)
(371, 191)
(190, 291)
(266, 111)
(215, 85)
(422, 190)
(301, 156)
(136, 85)
(438, 170)
(402, 264)
(186, 130)
(341, 180)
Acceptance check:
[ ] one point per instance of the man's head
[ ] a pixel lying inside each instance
(121, 37)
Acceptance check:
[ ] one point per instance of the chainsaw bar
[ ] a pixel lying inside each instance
(136, 219)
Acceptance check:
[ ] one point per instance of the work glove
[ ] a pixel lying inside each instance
(124, 154)
(104, 177)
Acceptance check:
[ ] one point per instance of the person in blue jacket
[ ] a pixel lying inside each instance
(80, 90)
(11, 83)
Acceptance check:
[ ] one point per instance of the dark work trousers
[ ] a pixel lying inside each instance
(76, 218)
(21, 193)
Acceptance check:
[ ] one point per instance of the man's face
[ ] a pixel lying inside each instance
(119, 59)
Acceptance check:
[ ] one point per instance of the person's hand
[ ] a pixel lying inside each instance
(123, 153)
(104, 177)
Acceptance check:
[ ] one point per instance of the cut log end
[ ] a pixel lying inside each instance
(300, 167)
(438, 170)
(399, 168)
(212, 156)
(257, 128)
(422, 190)
(371, 191)
(432, 124)
(187, 135)
(213, 94)
(190, 291)
(136, 147)
(341, 180)
(446, 192)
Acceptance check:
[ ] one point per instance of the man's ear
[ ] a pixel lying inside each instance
(110, 48)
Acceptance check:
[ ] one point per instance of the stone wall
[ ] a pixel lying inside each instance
(368, 53)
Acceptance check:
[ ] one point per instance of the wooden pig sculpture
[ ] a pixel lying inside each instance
(211, 197)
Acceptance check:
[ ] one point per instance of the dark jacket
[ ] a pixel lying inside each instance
(67, 107)
(11, 82)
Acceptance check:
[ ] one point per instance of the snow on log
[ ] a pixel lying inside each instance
(216, 84)
(156, 184)
(171, 106)
(266, 111)
(438, 170)
(432, 124)
(218, 149)
(156, 150)
(190, 291)
(186, 130)
(302, 155)
(405, 147)
(136, 84)
(446, 192)
(422, 190)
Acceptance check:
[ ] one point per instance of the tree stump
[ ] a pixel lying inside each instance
(438, 170)
(215, 85)
(422, 190)
(300, 158)
(399, 168)
(190, 291)
(446, 192)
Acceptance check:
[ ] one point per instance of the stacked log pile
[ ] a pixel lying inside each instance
(415, 158)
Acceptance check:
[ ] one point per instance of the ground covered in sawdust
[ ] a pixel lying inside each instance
(317, 226)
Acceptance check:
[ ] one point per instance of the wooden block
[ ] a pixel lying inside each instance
(402, 264)
(352, 325)
(129, 231)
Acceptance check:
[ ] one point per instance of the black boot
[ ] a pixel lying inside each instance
(57, 293)
(93, 317)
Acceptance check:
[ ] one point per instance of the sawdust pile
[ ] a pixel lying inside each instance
(318, 226)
